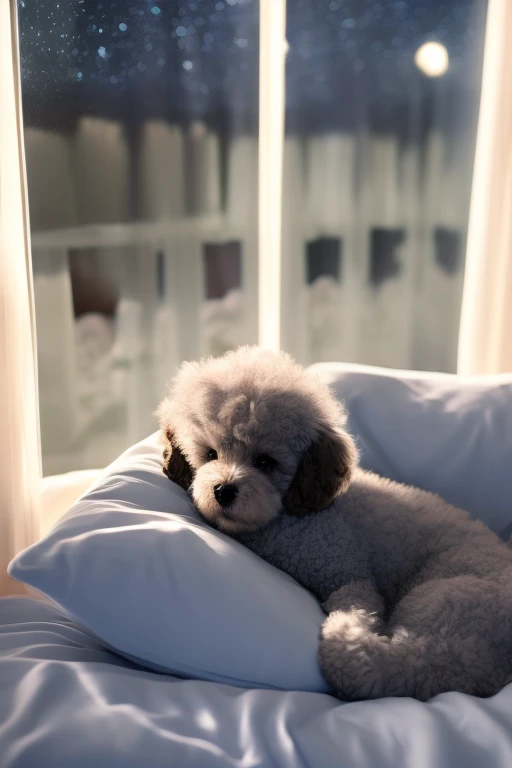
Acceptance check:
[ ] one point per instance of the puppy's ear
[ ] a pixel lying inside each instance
(323, 473)
(176, 466)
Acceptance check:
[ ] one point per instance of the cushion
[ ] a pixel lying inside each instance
(445, 433)
(59, 492)
(133, 562)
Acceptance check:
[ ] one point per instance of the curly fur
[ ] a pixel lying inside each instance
(417, 594)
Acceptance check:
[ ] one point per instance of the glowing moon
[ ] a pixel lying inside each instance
(432, 58)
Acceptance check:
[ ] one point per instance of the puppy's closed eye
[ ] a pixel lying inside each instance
(265, 463)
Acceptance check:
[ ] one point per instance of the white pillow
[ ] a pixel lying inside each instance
(59, 492)
(445, 433)
(133, 562)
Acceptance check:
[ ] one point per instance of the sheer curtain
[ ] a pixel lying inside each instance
(485, 342)
(19, 440)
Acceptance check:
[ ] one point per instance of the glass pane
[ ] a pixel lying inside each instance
(141, 143)
(381, 113)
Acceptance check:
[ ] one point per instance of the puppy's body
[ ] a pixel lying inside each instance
(417, 593)
(390, 534)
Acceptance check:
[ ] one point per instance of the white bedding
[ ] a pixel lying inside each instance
(66, 702)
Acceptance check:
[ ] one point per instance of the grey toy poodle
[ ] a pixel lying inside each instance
(418, 595)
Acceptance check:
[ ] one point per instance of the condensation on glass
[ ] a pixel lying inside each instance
(141, 144)
(381, 112)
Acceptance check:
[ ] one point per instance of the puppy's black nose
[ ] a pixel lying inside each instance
(225, 494)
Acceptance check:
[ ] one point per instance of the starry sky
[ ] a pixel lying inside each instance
(350, 62)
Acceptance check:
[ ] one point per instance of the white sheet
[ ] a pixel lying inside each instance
(67, 702)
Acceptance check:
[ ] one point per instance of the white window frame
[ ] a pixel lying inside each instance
(271, 147)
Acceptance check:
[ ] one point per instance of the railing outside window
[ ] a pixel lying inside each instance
(186, 197)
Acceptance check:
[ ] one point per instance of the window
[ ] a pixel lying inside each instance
(141, 137)
(381, 113)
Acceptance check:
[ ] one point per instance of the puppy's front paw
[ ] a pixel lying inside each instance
(357, 596)
(349, 625)
(349, 654)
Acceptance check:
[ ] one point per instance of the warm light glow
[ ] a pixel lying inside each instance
(432, 58)
(271, 148)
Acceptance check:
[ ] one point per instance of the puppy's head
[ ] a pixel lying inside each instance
(252, 434)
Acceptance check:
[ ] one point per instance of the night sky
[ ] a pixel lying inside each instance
(350, 62)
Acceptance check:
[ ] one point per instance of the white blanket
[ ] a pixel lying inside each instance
(65, 701)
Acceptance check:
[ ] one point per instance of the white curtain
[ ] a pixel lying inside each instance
(19, 423)
(485, 342)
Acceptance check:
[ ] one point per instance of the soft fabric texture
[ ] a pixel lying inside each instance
(66, 702)
(59, 492)
(134, 563)
(444, 433)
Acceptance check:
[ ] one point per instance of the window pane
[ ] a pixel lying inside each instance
(141, 143)
(382, 105)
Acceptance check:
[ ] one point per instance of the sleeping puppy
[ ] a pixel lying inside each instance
(417, 594)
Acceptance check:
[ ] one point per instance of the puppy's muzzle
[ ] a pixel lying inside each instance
(225, 494)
